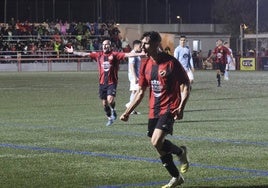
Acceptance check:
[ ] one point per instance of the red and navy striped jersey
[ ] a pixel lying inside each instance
(164, 79)
(108, 66)
(221, 53)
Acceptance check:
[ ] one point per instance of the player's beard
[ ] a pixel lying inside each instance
(106, 50)
(145, 51)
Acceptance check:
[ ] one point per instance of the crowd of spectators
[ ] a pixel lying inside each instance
(33, 40)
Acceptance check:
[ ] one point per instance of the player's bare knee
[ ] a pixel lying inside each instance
(156, 143)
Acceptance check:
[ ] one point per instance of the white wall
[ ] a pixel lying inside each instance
(206, 33)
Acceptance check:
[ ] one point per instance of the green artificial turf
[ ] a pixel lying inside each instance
(53, 133)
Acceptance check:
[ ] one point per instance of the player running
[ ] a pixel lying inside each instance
(164, 75)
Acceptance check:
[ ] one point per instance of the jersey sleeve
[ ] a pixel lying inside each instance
(228, 52)
(94, 55)
(119, 55)
(176, 53)
(142, 78)
(179, 70)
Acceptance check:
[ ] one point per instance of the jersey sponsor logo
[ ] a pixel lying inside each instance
(156, 88)
(185, 56)
(106, 66)
(162, 73)
(219, 55)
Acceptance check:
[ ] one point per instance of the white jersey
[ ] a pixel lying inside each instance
(229, 58)
(184, 56)
(136, 61)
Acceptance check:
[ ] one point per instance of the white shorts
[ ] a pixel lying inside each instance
(133, 85)
(190, 75)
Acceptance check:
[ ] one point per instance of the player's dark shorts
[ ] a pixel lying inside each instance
(105, 90)
(164, 122)
(220, 66)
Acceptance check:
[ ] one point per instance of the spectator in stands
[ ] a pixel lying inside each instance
(42, 34)
(250, 53)
(63, 27)
(125, 45)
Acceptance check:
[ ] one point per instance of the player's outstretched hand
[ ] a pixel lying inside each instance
(124, 117)
(69, 50)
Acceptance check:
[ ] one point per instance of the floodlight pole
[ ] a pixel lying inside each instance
(179, 18)
(257, 30)
(241, 40)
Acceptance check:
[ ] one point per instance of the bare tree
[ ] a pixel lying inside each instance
(234, 13)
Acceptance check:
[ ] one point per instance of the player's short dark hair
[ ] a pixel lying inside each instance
(153, 35)
(136, 42)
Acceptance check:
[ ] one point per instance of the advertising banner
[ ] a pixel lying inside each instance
(247, 64)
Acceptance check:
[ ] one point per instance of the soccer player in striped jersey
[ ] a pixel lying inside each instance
(108, 65)
(163, 75)
(220, 53)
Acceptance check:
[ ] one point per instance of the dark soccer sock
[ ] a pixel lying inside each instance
(219, 79)
(168, 163)
(107, 110)
(113, 105)
(170, 147)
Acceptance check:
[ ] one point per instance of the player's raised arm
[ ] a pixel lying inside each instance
(71, 50)
(134, 54)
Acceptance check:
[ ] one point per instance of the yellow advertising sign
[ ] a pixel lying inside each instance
(247, 64)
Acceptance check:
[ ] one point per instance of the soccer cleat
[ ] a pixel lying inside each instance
(226, 78)
(174, 182)
(184, 160)
(134, 112)
(110, 122)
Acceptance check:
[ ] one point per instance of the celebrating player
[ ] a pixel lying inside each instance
(108, 65)
(220, 52)
(163, 74)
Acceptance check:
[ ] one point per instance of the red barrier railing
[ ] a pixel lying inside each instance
(48, 60)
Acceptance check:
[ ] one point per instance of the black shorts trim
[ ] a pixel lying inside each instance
(220, 66)
(105, 90)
